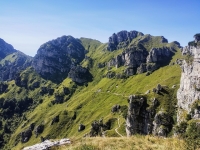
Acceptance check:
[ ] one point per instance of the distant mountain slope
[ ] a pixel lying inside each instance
(5, 49)
(12, 61)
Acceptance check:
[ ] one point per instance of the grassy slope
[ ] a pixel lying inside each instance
(94, 101)
(137, 142)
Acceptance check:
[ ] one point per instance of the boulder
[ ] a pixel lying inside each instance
(81, 127)
(55, 120)
(31, 127)
(115, 108)
(26, 135)
(159, 87)
(39, 129)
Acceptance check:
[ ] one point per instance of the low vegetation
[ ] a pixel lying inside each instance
(136, 142)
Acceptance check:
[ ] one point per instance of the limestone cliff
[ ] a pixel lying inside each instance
(139, 60)
(189, 90)
(141, 53)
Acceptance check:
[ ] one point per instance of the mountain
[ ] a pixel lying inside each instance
(56, 58)
(85, 88)
(5, 49)
(12, 61)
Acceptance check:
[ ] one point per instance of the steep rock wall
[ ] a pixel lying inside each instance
(189, 90)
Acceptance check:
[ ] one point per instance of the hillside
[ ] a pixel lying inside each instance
(60, 95)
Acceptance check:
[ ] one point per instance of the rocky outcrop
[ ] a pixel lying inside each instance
(122, 39)
(162, 124)
(39, 129)
(56, 58)
(159, 55)
(81, 127)
(138, 119)
(55, 120)
(26, 135)
(142, 119)
(115, 108)
(98, 128)
(140, 60)
(5, 49)
(131, 57)
(189, 90)
(79, 74)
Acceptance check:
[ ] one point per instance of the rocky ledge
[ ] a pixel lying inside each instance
(138, 60)
(122, 39)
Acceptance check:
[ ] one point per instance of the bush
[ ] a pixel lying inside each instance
(124, 111)
(192, 135)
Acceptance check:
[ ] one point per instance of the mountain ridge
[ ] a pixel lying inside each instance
(93, 92)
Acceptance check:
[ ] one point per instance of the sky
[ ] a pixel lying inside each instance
(27, 24)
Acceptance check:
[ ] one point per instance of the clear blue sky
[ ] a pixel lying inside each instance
(26, 24)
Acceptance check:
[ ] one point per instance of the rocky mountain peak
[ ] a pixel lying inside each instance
(121, 39)
(5, 49)
(55, 58)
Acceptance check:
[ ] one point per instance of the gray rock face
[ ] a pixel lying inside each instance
(79, 74)
(121, 39)
(5, 49)
(138, 118)
(143, 120)
(158, 55)
(161, 124)
(132, 57)
(55, 58)
(189, 82)
(140, 60)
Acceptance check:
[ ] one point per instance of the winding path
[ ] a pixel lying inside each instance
(116, 129)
